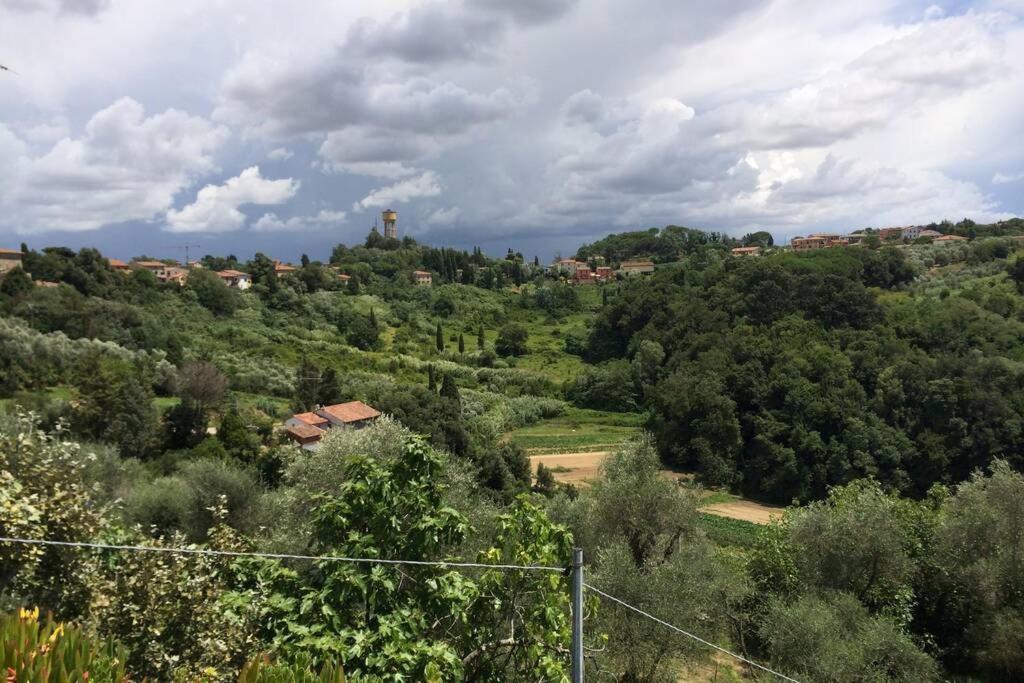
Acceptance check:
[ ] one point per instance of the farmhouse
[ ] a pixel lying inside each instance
(808, 243)
(119, 265)
(282, 269)
(637, 267)
(746, 251)
(422, 277)
(569, 265)
(306, 436)
(951, 238)
(604, 273)
(9, 260)
(158, 268)
(584, 276)
(235, 278)
(306, 429)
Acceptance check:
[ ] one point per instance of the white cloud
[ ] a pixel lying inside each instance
(216, 206)
(125, 166)
(269, 222)
(1007, 178)
(424, 185)
(280, 154)
(448, 216)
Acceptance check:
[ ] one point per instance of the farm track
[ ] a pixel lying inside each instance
(581, 468)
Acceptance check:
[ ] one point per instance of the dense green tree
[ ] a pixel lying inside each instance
(239, 440)
(439, 337)
(15, 284)
(115, 404)
(462, 343)
(480, 338)
(511, 340)
(213, 293)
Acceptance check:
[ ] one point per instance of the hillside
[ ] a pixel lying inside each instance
(878, 391)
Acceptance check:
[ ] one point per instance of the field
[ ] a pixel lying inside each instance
(578, 431)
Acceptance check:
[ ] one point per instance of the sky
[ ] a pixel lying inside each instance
(142, 126)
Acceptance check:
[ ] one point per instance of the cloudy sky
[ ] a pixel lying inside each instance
(140, 125)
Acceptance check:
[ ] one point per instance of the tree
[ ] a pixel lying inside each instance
(202, 383)
(449, 389)
(545, 481)
(116, 405)
(362, 333)
(431, 621)
(212, 292)
(431, 378)
(238, 440)
(604, 296)
(263, 272)
(480, 338)
(833, 638)
(462, 343)
(511, 340)
(16, 283)
(308, 380)
(439, 337)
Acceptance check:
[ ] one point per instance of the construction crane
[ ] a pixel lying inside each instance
(186, 247)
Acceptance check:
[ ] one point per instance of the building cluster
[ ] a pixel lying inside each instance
(307, 429)
(822, 240)
(581, 272)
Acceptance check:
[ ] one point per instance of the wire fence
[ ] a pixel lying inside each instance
(382, 561)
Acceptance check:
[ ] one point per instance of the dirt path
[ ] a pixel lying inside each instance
(745, 510)
(578, 467)
(585, 467)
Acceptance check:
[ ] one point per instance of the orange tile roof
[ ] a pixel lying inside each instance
(304, 431)
(353, 411)
(311, 419)
(232, 273)
(149, 264)
(12, 252)
(420, 272)
(117, 263)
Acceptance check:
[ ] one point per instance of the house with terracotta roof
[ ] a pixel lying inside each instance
(604, 273)
(951, 238)
(235, 278)
(9, 260)
(584, 276)
(158, 268)
(808, 243)
(746, 251)
(352, 415)
(637, 267)
(305, 436)
(422, 277)
(344, 277)
(119, 265)
(306, 429)
(282, 269)
(310, 419)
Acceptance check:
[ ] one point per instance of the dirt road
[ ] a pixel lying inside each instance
(746, 510)
(572, 468)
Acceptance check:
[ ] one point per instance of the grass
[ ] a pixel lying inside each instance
(578, 431)
(734, 533)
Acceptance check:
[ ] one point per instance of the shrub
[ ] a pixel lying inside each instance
(36, 652)
(511, 340)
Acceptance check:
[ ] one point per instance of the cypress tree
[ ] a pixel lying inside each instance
(373, 318)
(439, 337)
(462, 343)
(431, 378)
(604, 296)
(480, 339)
(449, 389)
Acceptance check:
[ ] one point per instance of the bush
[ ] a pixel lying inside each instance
(511, 340)
(36, 652)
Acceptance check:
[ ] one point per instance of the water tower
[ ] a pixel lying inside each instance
(390, 224)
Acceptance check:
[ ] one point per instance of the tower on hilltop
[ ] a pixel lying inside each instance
(390, 224)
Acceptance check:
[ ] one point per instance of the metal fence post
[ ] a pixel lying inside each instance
(577, 615)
